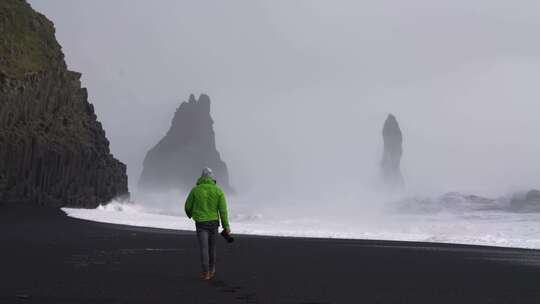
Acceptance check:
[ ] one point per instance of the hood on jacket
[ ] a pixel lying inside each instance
(206, 180)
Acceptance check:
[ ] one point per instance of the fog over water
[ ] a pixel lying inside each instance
(300, 91)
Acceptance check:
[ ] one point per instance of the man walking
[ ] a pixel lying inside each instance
(206, 205)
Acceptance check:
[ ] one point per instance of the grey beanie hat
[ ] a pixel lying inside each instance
(207, 172)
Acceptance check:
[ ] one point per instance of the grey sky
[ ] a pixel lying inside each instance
(300, 89)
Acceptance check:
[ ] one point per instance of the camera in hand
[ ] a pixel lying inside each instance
(227, 236)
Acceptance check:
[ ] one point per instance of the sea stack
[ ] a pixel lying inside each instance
(391, 160)
(53, 151)
(178, 159)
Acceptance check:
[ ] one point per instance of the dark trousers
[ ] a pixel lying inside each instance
(207, 233)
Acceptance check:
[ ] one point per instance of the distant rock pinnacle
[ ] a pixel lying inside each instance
(178, 159)
(390, 164)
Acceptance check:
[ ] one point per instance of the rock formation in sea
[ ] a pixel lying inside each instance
(530, 203)
(178, 159)
(53, 151)
(390, 164)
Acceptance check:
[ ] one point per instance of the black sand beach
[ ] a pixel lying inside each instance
(47, 257)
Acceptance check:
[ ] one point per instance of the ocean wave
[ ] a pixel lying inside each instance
(469, 226)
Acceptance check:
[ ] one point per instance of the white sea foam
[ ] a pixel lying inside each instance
(475, 226)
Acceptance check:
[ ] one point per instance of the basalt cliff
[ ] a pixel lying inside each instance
(53, 151)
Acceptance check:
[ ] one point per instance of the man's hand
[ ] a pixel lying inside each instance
(227, 230)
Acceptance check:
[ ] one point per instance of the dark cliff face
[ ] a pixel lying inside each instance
(391, 161)
(53, 151)
(178, 159)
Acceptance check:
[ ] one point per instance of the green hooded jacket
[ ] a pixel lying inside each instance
(206, 202)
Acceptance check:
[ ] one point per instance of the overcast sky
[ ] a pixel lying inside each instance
(300, 89)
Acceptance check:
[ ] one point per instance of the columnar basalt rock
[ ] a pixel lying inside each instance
(393, 150)
(53, 151)
(189, 146)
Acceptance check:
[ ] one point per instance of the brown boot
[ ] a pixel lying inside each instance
(212, 274)
(205, 275)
